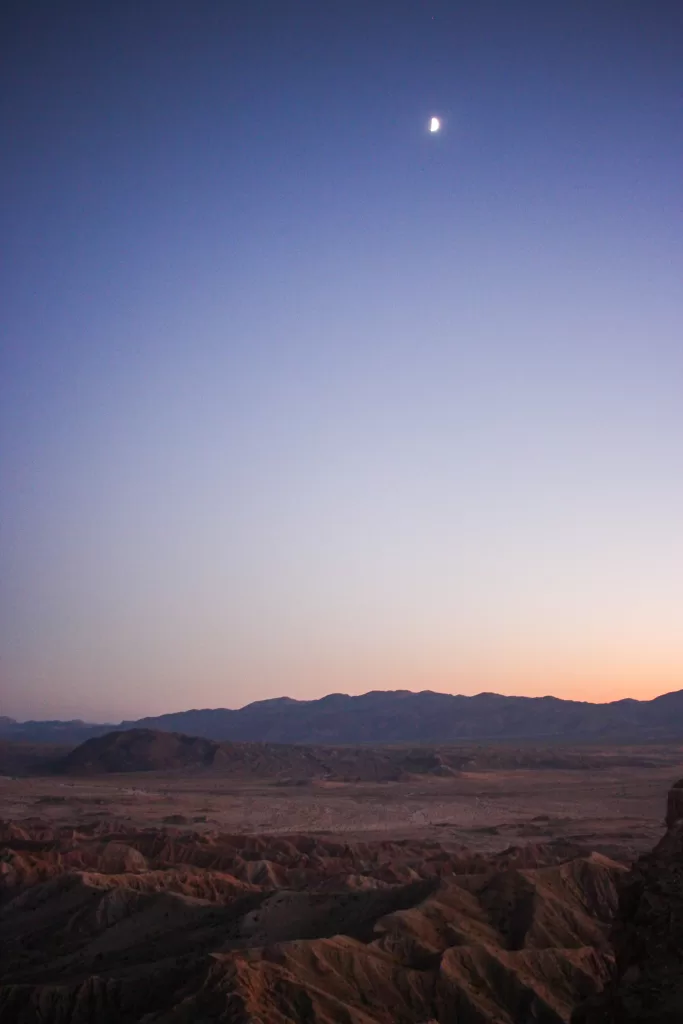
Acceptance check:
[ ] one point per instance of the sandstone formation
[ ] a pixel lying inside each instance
(165, 926)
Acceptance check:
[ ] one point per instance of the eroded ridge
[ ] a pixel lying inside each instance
(164, 925)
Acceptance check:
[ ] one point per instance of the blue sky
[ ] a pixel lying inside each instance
(297, 397)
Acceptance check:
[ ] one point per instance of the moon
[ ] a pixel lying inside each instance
(434, 124)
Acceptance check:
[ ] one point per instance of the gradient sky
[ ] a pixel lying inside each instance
(297, 397)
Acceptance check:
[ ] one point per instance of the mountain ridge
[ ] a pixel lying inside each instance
(394, 716)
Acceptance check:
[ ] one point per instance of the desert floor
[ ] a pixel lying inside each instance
(613, 809)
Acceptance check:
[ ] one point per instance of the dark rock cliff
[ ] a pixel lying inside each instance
(647, 987)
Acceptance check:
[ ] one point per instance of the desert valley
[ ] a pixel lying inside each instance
(341, 504)
(154, 877)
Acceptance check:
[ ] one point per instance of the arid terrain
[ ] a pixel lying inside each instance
(272, 895)
(609, 800)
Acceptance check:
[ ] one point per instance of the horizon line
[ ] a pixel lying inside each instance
(350, 696)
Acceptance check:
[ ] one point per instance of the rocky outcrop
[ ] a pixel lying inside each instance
(674, 804)
(647, 986)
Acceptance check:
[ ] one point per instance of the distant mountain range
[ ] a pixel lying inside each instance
(395, 716)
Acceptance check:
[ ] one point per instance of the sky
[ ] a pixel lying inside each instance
(298, 397)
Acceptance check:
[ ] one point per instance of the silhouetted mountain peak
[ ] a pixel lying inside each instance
(398, 716)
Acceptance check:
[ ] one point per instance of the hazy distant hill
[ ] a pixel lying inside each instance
(136, 750)
(66, 734)
(396, 716)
